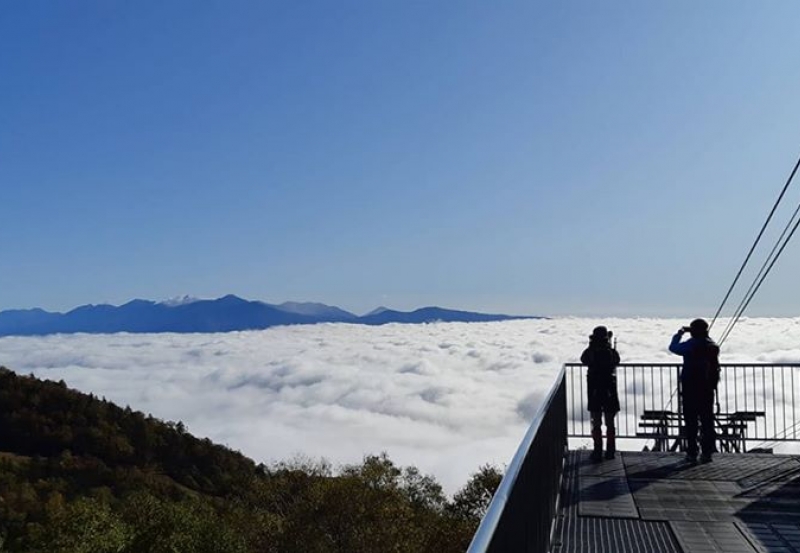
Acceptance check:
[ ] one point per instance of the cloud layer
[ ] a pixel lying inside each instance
(444, 397)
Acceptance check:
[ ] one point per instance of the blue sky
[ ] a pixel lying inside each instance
(550, 158)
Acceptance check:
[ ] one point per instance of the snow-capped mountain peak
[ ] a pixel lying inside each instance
(179, 300)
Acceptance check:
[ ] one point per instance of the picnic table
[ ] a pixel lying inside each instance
(665, 427)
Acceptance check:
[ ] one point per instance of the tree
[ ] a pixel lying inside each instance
(85, 526)
(473, 499)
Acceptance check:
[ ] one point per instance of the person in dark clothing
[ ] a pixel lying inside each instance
(699, 379)
(601, 383)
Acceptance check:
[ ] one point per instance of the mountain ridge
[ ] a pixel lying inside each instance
(225, 314)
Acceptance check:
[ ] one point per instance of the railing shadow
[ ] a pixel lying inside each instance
(775, 500)
(608, 488)
(773, 519)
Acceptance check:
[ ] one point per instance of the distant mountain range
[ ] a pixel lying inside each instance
(224, 314)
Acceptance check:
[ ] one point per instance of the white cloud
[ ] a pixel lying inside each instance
(444, 397)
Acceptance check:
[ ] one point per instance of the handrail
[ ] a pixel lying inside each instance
(771, 389)
(679, 364)
(499, 517)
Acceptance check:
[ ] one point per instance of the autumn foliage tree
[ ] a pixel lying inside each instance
(80, 474)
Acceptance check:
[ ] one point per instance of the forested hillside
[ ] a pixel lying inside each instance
(80, 474)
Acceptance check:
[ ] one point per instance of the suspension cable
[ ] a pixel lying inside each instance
(750, 291)
(753, 247)
(764, 276)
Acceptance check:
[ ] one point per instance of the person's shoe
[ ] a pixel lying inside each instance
(705, 458)
(691, 459)
(596, 456)
(609, 454)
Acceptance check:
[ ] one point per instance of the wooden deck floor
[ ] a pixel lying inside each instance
(658, 503)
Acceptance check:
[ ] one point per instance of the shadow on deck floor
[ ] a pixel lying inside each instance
(657, 503)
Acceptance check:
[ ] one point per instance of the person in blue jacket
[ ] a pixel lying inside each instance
(699, 379)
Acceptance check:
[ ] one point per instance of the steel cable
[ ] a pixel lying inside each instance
(761, 281)
(755, 243)
(750, 290)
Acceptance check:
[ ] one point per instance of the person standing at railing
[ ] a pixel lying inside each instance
(699, 379)
(602, 359)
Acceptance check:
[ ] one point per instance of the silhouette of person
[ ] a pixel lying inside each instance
(601, 384)
(699, 378)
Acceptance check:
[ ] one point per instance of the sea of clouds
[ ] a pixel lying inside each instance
(445, 397)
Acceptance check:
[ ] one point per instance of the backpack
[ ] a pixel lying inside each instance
(707, 359)
(603, 362)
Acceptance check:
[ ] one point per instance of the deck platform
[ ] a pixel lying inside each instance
(647, 502)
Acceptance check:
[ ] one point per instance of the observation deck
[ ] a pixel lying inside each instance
(554, 499)
(656, 502)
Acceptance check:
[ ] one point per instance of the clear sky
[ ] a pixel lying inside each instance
(529, 157)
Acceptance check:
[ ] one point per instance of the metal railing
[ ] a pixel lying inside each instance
(764, 395)
(521, 514)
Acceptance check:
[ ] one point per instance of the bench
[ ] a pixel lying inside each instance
(665, 426)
